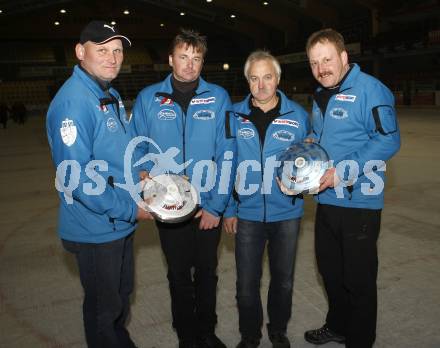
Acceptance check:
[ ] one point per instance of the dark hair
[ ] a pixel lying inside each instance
(189, 37)
(326, 35)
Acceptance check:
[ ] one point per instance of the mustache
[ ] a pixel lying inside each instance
(325, 73)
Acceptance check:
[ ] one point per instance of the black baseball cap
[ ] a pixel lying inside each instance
(99, 32)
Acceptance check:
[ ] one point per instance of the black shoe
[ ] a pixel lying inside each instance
(247, 342)
(210, 341)
(279, 340)
(323, 335)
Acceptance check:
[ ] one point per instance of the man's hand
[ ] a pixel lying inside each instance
(144, 176)
(143, 213)
(309, 140)
(230, 225)
(329, 179)
(285, 190)
(207, 220)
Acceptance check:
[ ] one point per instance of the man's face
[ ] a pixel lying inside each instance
(186, 62)
(328, 66)
(102, 61)
(263, 81)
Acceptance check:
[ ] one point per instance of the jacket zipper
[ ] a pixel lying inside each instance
(262, 182)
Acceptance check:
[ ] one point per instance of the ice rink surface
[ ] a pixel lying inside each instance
(41, 296)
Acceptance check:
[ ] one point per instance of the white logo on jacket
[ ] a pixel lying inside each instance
(166, 115)
(68, 132)
(198, 101)
(286, 122)
(345, 97)
(204, 115)
(246, 133)
(112, 124)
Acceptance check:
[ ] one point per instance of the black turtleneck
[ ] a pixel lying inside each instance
(261, 119)
(323, 96)
(183, 92)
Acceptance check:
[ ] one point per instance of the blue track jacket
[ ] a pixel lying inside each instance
(258, 199)
(192, 144)
(360, 126)
(81, 130)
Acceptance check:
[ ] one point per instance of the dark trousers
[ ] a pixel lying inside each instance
(106, 271)
(346, 253)
(191, 255)
(250, 241)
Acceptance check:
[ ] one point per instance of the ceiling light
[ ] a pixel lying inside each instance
(63, 11)
(56, 23)
(113, 23)
(208, 0)
(162, 25)
(1, 11)
(265, 3)
(182, 13)
(225, 66)
(126, 12)
(232, 16)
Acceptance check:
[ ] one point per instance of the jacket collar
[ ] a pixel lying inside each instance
(90, 82)
(285, 107)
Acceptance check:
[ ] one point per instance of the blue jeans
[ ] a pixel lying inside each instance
(106, 272)
(250, 242)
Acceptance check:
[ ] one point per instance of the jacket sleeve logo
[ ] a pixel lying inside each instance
(68, 132)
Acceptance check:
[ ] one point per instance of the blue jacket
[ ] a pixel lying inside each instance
(359, 125)
(192, 144)
(260, 200)
(81, 130)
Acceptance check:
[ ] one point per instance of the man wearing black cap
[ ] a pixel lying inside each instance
(88, 132)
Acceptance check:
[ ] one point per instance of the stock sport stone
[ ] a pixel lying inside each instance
(302, 166)
(170, 198)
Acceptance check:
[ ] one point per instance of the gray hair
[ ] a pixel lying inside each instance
(258, 55)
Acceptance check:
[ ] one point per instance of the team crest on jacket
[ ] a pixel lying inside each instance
(338, 113)
(284, 135)
(204, 115)
(112, 124)
(68, 132)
